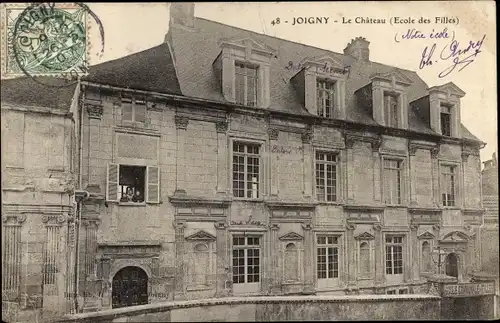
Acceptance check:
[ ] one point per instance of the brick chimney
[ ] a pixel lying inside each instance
(358, 48)
(182, 13)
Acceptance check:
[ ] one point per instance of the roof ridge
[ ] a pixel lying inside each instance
(302, 44)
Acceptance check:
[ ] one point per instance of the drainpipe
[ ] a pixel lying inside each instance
(80, 195)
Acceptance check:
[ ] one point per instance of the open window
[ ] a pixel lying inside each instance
(132, 184)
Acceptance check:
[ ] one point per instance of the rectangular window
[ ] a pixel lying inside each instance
(246, 259)
(326, 98)
(391, 104)
(133, 184)
(403, 291)
(448, 185)
(133, 110)
(246, 169)
(391, 292)
(246, 84)
(394, 255)
(327, 257)
(445, 120)
(392, 181)
(326, 176)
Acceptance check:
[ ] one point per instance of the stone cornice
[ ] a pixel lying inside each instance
(198, 201)
(37, 209)
(364, 208)
(277, 205)
(182, 101)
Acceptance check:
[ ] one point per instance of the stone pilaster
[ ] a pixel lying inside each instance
(275, 287)
(413, 174)
(11, 255)
(435, 176)
(223, 276)
(351, 256)
(94, 112)
(379, 257)
(414, 257)
(106, 283)
(91, 295)
(436, 229)
(54, 264)
(349, 145)
(181, 124)
(377, 187)
(273, 140)
(180, 287)
(308, 163)
(222, 152)
(308, 259)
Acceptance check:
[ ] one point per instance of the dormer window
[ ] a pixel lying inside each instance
(326, 97)
(390, 100)
(445, 119)
(391, 110)
(246, 84)
(243, 68)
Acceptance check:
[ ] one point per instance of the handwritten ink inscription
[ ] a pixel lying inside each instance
(460, 55)
(291, 66)
(285, 149)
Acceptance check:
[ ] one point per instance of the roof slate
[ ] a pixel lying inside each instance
(195, 50)
(48, 92)
(150, 70)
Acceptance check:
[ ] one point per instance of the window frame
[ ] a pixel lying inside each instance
(261, 182)
(456, 183)
(391, 245)
(133, 103)
(147, 197)
(388, 113)
(336, 245)
(245, 247)
(446, 108)
(402, 180)
(246, 65)
(332, 94)
(337, 163)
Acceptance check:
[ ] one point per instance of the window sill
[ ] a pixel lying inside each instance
(396, 205)
(450, 207)
(330, 202)
(131, 204)
(366, 278)
(244, 199)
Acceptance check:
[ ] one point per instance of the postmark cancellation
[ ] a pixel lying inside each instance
(44, 39)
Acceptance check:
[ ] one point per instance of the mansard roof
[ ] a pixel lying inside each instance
(194, 50)
(46, 92)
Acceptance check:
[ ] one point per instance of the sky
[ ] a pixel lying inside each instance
(133, 27)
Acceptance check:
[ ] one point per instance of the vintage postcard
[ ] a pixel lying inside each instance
(305, 161)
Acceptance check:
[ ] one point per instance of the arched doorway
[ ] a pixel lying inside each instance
(452, 265)
(130, 287)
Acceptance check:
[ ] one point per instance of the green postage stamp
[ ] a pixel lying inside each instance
(44, 39)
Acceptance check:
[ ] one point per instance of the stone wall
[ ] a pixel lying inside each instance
(297, 308)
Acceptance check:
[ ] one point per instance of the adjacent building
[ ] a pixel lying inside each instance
(226, 162)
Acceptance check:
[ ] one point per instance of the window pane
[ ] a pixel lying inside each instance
(140, 112)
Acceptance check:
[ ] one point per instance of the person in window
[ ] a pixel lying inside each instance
(128, 197)
(137, 197)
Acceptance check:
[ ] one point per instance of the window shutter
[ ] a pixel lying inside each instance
(153, 176)
(112, 184)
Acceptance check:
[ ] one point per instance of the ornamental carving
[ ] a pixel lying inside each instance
(53, 219)
(13, 219)
(436, 227)
(94, 110)
(412, 150)
(349, 142)
(274, 226)
(465, 156)
(434, 152)
(376, 145)
(307, 137)
(350, 226)
(273, 133)
(377, 227)
(179, 225)
(220, 225)
(221, 126)
(307, 226)
(181, 122)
